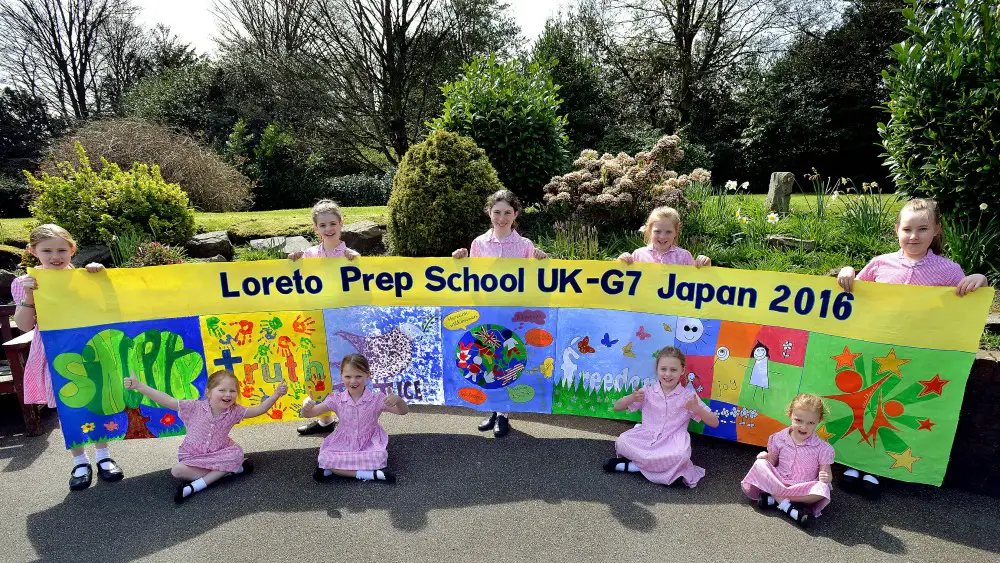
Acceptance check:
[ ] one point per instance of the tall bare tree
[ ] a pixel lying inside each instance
(271, 29)
(54, 48)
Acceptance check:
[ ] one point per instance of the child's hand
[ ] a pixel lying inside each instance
(970, 284)
(350, 254)
(639, 395)
(702, 260)
(131, 382)
(94, 267)
(625, 257)
(281, 389)
(30, 284)
(846, 278)
(293, 256)
(392, 401)
(460, 253)
(825, 477)
(762, 455)
(540, 254)
(693, 404)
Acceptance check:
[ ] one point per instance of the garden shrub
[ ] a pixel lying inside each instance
(210, 183)
(511, 110)
(288, 174)
(97, 205)
(943, 137)
(620, 191)
(14, 195)
(360, 190)
(156, 254)
(438, 196)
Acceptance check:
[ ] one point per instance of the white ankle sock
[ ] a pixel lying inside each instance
(324, 424)
(870, 479)
(770, 500)
(852, 473)
(632, 467)
(194, 486)
(794, 513)
(77, 460)
(365, 475)
(784, 505)
(103, 455)
(327, 472)
(238, 471)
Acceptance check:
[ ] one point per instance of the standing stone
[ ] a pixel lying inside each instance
(267, 243)
(779, 193)
(6, 278)
(207, 245)
(296, 244)
(363, 236)
(87, 254)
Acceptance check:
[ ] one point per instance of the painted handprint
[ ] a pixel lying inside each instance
(248, 391)
(303, 326)
(245, 333)
(306, 342)
(227, 342)
(269, 327)
(263, 354)
(275, 414)
(284, 346)
(212, 324)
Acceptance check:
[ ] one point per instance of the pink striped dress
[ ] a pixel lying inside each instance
(37, 378)
(660, 445)
(895, 267)
(359, 442)
(673, 255)
(207, 444)
(797, 473)
(514, 246)
(318, 252)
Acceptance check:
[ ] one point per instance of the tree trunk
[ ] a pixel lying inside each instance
(137, 424)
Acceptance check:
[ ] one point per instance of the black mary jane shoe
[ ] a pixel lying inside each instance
(390, 477)
(611, 465)
(179, 494)
(764, 501)
(110, 475)
(82, 482)
(320, 476)
(502, 427)
(870, 490)
(850, 483)
(315, 427)
(805, 518)
(247, 467)
(488, 423)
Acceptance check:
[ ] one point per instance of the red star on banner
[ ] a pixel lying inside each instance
(925, 424)
(935, 385)
(845, 359)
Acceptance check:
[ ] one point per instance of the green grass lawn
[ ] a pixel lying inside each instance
(241, 225)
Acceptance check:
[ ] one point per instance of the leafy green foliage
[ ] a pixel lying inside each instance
(512, 112)
(95, 206)
(360, 189)
(14, 196)
(25, 131)
(438, 196)
(287, 173)
(155, 254)
(943, 138)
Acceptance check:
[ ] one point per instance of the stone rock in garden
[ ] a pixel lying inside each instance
(6, 278)
(87, 254)
(267, 243)
(216, 258)
(779, 193)
(363, 236)
(832, 272)
(992, 320)
(296, 244)
(781, 241)
(208, 245)
(10, 257)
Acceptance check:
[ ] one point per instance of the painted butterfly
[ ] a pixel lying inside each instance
(642, 334)
(627, 351)
(584, 346)
(607, 340)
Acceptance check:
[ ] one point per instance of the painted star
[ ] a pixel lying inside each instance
(845, 359)
(934, 385)
(890, 363)
(925, 424)
(823, 433)
(905, 459)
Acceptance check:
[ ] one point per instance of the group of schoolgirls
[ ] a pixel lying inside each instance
(793, 475)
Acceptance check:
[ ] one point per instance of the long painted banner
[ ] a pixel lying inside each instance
(548, 336)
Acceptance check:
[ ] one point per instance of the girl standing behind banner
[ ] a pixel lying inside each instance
(207, 453)
(328, 221)
(918, 262)
(661, 231)
(501, 241)
(54, 247)
(660, 446)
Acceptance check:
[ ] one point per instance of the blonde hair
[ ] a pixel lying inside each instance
(217, 378)
(921, 205)
(49, 231)
(807, 402)
(326, 206)
(670, 352)
(357, 361)
(659, 214)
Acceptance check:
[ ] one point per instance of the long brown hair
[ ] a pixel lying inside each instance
(918, 205)
(357, 361)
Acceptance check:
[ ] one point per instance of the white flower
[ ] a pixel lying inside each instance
(843, 181)
(983, 207)
(772, 218)
(731, 185)
(744, 185)
(874, 185)
(834, 195)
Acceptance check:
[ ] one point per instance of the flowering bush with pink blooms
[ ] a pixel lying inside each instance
(620, 191)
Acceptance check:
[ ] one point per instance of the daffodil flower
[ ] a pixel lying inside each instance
(772, 218)
(983, 207)
(744, 185)
(731, 185)
(88, 427)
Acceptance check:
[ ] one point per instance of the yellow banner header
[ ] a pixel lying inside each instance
(923, 317)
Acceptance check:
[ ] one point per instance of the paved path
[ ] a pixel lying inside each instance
(538, 495)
